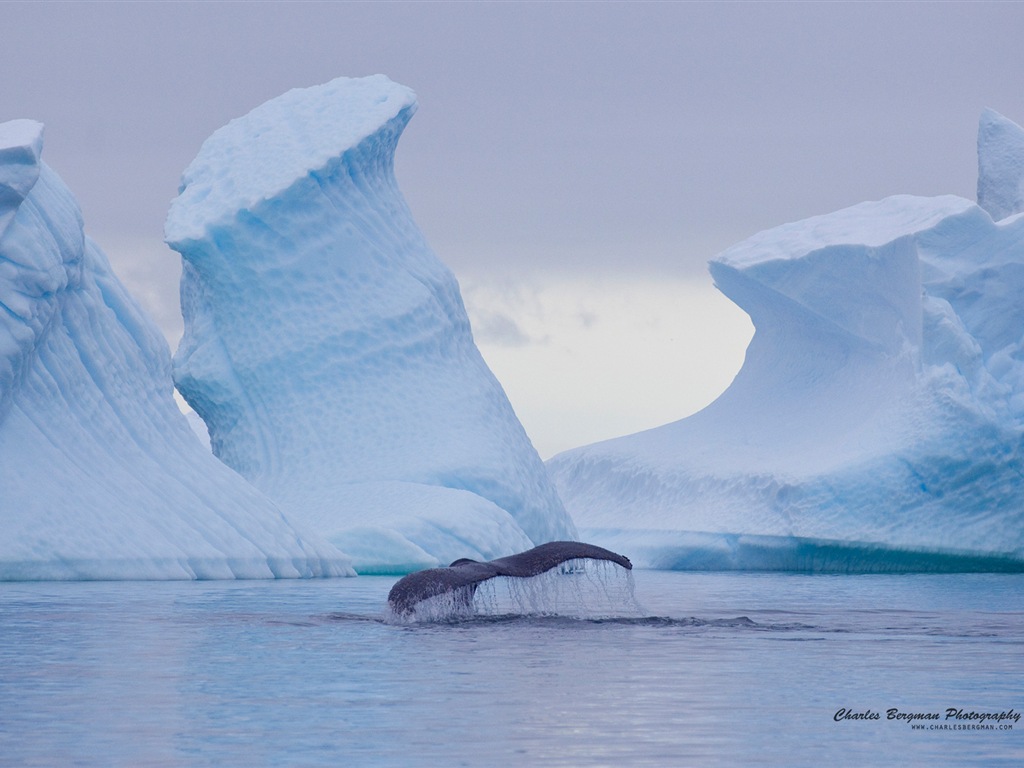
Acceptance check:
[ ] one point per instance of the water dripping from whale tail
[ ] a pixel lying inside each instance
(553, 579)
(582, 588)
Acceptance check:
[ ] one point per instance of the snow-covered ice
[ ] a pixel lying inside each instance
(100, 475)
(328, 350)
(877, 422)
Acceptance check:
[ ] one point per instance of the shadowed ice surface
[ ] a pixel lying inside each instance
(716, 669)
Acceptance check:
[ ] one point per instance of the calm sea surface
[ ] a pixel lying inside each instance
(717, 669)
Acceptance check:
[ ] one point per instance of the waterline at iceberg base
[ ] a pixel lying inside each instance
(693, 551)
(877, 423)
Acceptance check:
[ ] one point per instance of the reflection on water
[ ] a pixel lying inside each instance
(716, 669)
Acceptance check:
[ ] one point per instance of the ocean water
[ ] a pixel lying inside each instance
(708, 669)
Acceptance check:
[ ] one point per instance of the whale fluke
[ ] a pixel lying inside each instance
(465, 574)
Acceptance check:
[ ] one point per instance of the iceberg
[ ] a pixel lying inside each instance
(100, 475)
(328, 350)
(877, 422)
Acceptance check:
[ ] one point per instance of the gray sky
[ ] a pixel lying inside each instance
(575, 164)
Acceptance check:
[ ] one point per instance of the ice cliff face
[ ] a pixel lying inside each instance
(878, 420)
(328, 350)
(100, 475)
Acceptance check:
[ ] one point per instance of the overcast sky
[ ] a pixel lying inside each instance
(575, 164)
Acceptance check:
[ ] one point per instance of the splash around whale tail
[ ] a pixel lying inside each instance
(459, 581)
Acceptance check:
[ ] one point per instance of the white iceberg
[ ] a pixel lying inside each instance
(877, 422)
(328, 350)
(100, 475)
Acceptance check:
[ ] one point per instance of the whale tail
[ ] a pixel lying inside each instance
(462, 577)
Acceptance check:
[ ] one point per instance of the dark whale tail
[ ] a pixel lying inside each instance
(461, 577)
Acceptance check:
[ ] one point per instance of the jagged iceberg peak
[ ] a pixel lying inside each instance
(21, 144)
(1000, 165)
(33, 277)
(877, 422)
(328, 349)
(100, 474)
